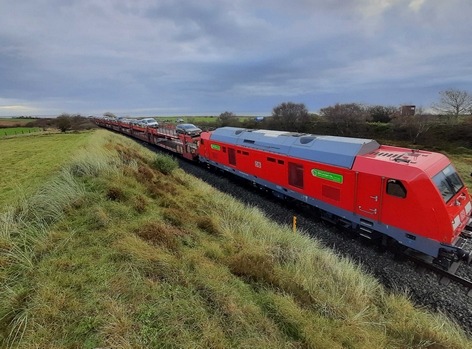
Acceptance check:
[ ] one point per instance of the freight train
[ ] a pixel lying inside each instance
(409, 199)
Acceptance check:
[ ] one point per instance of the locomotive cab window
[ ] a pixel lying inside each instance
(448, 183)
(396, 188)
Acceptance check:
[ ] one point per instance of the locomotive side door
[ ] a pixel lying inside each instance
(368, 195)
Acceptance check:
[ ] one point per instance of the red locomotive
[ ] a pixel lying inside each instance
(410, 198)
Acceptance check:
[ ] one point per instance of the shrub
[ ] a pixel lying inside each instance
(165, 163)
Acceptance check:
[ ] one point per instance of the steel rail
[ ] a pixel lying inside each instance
(446, 275)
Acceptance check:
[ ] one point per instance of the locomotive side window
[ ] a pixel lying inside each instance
(396, 188)
(295, 175)
(448, 182)
(232, 156)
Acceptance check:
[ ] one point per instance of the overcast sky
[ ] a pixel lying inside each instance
(204, 57)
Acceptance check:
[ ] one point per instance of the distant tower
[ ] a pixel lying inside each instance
(408, 110)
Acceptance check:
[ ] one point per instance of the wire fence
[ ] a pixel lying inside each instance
(4, 132)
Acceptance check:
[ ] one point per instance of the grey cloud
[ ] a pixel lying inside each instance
(239, 55)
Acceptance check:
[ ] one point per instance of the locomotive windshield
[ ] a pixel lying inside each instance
(448, 182)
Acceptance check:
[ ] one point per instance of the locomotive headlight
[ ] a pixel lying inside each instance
(468, 208)
(456, 222)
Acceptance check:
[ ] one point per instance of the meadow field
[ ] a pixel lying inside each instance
(104, 251)
(12, 131)
(14, 122)
(27, 162)
(197, 119)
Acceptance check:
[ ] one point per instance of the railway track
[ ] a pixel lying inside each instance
(445, 276)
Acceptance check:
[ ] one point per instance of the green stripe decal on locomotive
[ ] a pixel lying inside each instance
(215, 147)
(333, 177)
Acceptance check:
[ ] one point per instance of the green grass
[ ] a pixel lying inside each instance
(26, 162)
(18, 130)
(197, 119)
(122, 250)
(187, 119)
(463, 164)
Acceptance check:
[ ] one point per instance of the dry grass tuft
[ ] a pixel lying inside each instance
(117, 331)
(255, 267)
(100, 219)
(162, 187)
(209, 224)
(145, 173)
(127, 154)
(140, 203)
(115, 194)
(160, 234)
(175, 216)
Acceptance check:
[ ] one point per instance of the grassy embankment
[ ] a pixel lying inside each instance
(121, 249)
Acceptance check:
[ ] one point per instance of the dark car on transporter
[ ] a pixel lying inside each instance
(188, 129)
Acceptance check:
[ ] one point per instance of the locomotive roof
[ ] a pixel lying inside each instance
(331, 150)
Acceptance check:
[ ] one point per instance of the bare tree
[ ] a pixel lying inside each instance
(346, 117)
(415, 125)
(109, 115)
(291, 116)
(227, 118)
(453, 103)
(379, 113)
(64, 122)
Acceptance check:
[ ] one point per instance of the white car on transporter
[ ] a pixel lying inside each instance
(148, 122)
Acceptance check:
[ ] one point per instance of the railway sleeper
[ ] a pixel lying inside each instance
(445, 280)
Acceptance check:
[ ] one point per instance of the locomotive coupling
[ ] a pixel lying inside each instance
(466, 256)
